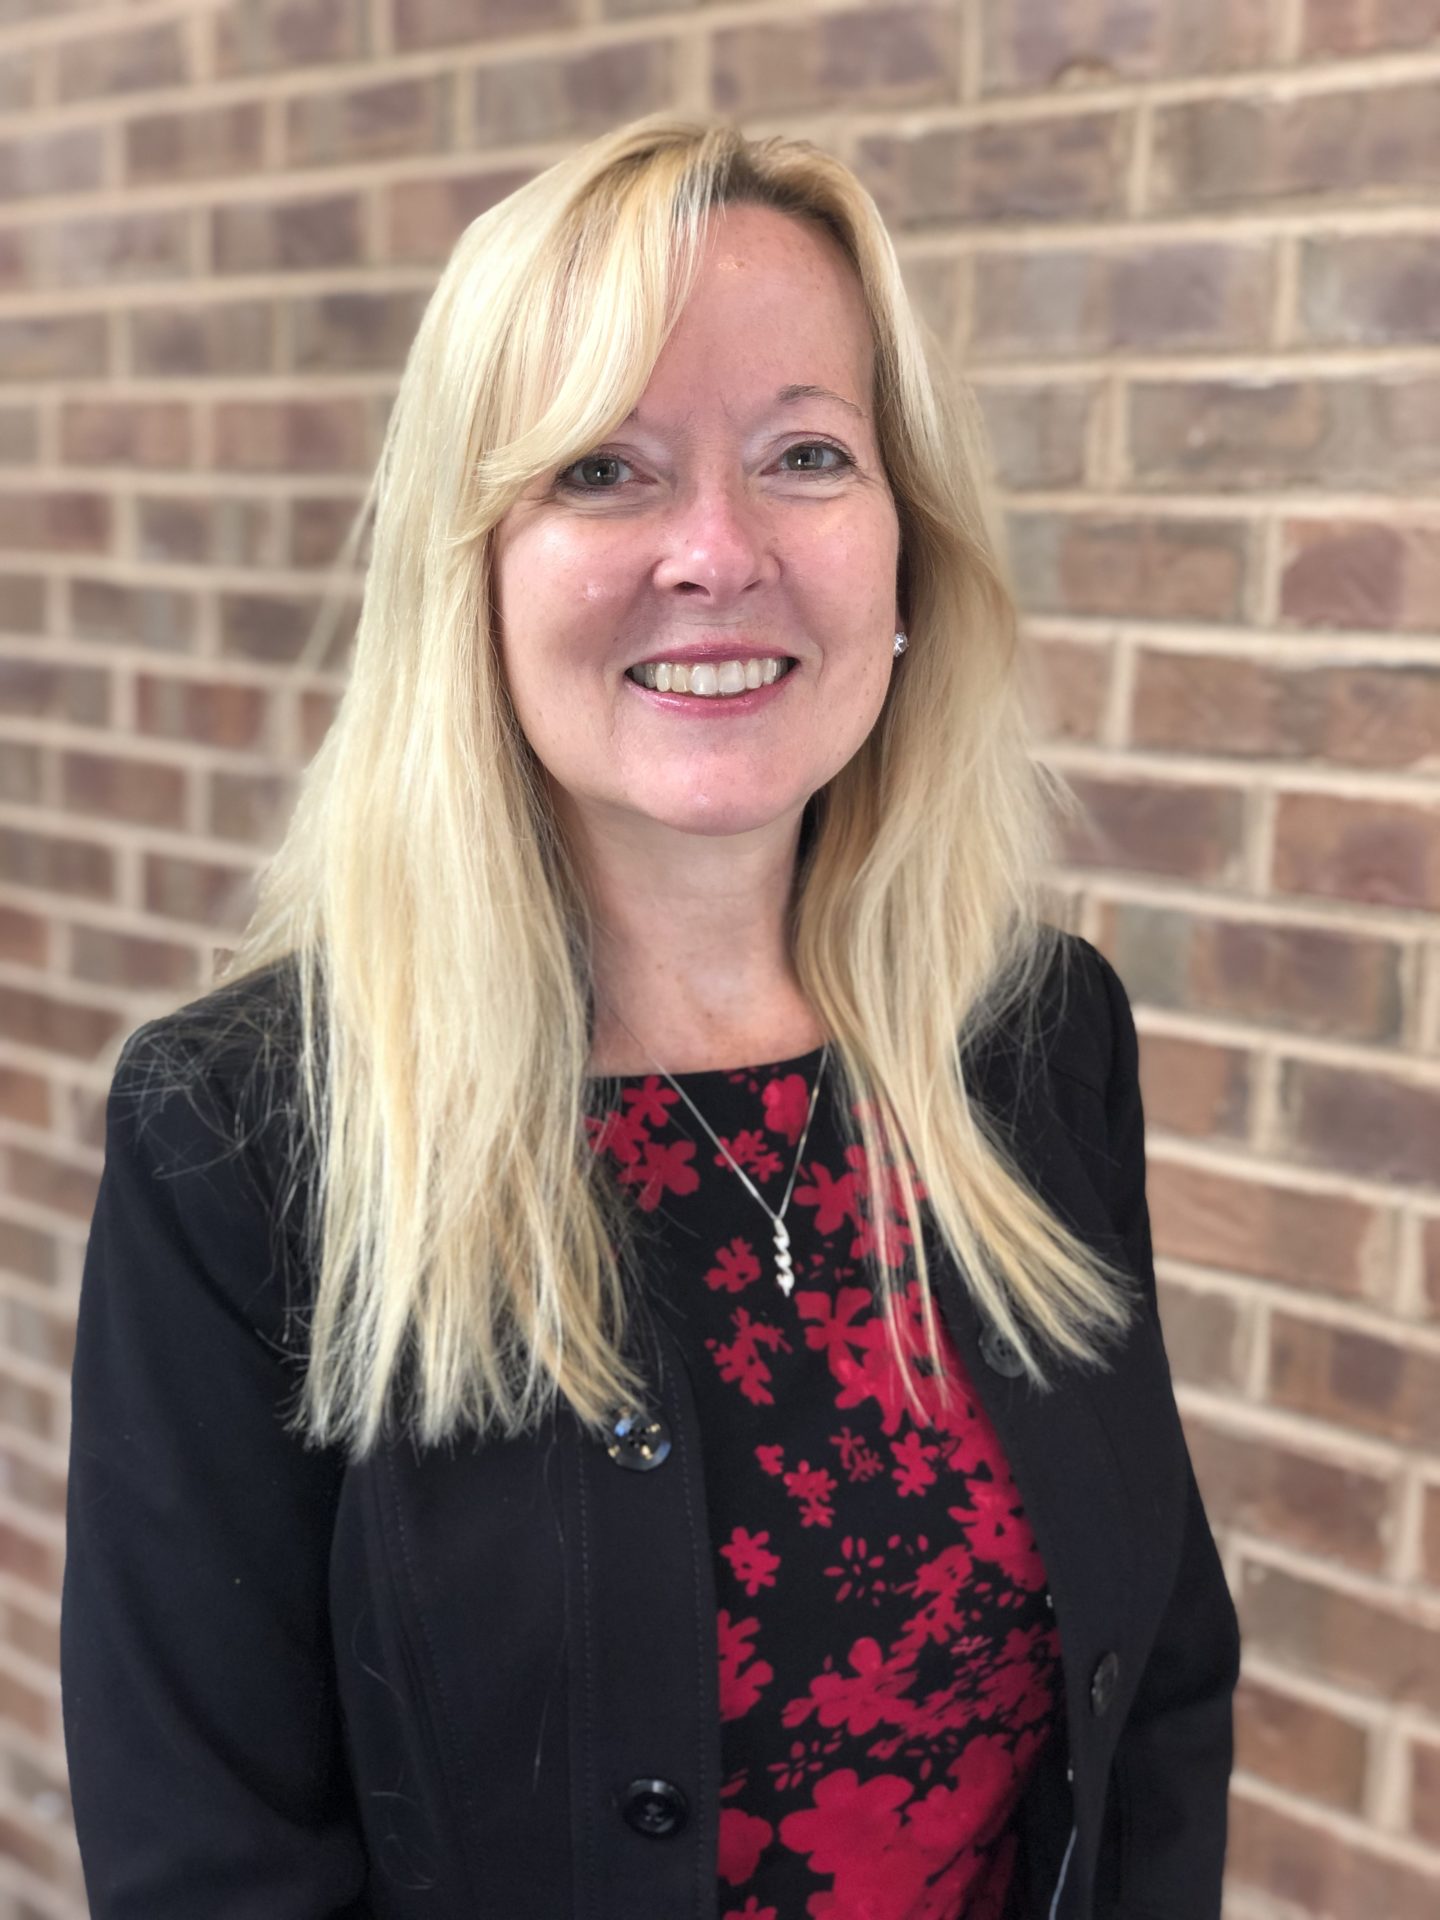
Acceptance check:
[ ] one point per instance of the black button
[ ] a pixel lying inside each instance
(1000, 1353)
(654, 1807)
(1102, 1683)
(638, 1441)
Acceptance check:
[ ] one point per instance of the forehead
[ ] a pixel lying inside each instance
(776, 314)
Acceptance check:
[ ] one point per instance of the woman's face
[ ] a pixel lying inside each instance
(723, 513)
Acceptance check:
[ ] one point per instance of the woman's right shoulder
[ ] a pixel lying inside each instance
(211, 1088)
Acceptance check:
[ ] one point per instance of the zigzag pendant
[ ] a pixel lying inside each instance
(783, 1271)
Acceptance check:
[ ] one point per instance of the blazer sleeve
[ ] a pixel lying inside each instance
(1174, 1755)
(200, 1723)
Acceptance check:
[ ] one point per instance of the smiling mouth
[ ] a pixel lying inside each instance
(711, 680)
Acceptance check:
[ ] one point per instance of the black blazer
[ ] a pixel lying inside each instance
(480, 1682)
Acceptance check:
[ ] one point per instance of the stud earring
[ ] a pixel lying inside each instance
(900, 643)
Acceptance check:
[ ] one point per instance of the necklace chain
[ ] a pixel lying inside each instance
(784, 1272)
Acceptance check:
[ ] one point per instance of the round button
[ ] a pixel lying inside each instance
(638, 1441)
(1000, 1353)
(654, 1807)
(1103, 1682)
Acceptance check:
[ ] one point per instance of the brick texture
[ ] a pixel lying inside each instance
(1188, 255)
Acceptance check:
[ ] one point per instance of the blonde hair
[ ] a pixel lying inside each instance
(430, 939)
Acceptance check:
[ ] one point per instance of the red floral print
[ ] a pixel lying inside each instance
(888, 1661)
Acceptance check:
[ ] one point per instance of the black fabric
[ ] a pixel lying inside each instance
(422, 1687)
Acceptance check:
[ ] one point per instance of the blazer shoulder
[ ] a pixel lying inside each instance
(1060, 1017)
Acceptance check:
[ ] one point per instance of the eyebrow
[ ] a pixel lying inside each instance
(787, 396)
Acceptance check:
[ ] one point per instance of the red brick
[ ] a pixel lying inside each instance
(1369, 289)
(291, 436)
(229, 337)
(38, 1636)
(22, 602)
(1317, 1870)
(570, 96)
(1279, 1492)
(31, 1408)
(1383, 1649)
(448, 23)
(31, 859)
(29, 1252)
(162, 618)
(94, 65)
(291, 236)
(1365, 716)
(127, 433)
(1195, 1087)
(212, 144)
(28, 1706)
(1206, 1335)
(247, 806)
(1430, 1538)
(1129, 565)
(1192, 831)
(1430, 1262)
(48, 1180)
(1059, 167)
(1100, 299)
(1372, 433)
(24, 936)
(199, 532)
(53, 346)
(1069, 686)
(397, 117)
(1355, 1379)
(316, 531)
(1317, 1241)
(424, 218)
(901, 56)
(1301, 1747)
(1425, 1790)
(102, 250)
(1044, 44)
(353, 331)
(1309, 979)
(1376, 26)
(59, 1025)
(123, 789)
(70, 160)
(1382, 852)
(77, 694)
(1371, 1123)
(213, 713)
(113, 959)
(75, 521)
(270, 36)
(25, 1097)
(1038, 435)
(1374, 140)
(274, 627)
(198, 890)
(1361, 573)
(29, 1557)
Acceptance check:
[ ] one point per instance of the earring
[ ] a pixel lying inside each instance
(900, 643)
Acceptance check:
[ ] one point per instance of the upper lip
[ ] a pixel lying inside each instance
(714, 650)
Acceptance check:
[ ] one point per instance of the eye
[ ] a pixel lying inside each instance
(587, 460)
(820, 446)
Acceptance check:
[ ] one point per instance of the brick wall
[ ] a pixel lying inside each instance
(1189, 251)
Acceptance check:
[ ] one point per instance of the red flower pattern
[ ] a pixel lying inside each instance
(888, 1662)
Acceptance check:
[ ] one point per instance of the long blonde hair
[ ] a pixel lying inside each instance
(428, 938)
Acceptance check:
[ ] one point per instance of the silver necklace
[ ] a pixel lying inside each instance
(784, 1273)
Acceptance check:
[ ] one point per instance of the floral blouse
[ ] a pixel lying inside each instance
(889, 1660)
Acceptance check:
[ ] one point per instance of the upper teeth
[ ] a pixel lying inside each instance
(708, 676)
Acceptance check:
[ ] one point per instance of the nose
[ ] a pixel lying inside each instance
(718, 539)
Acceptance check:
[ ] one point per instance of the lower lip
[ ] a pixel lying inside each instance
(700, 706)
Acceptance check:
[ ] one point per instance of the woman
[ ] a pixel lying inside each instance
(618, 1371)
